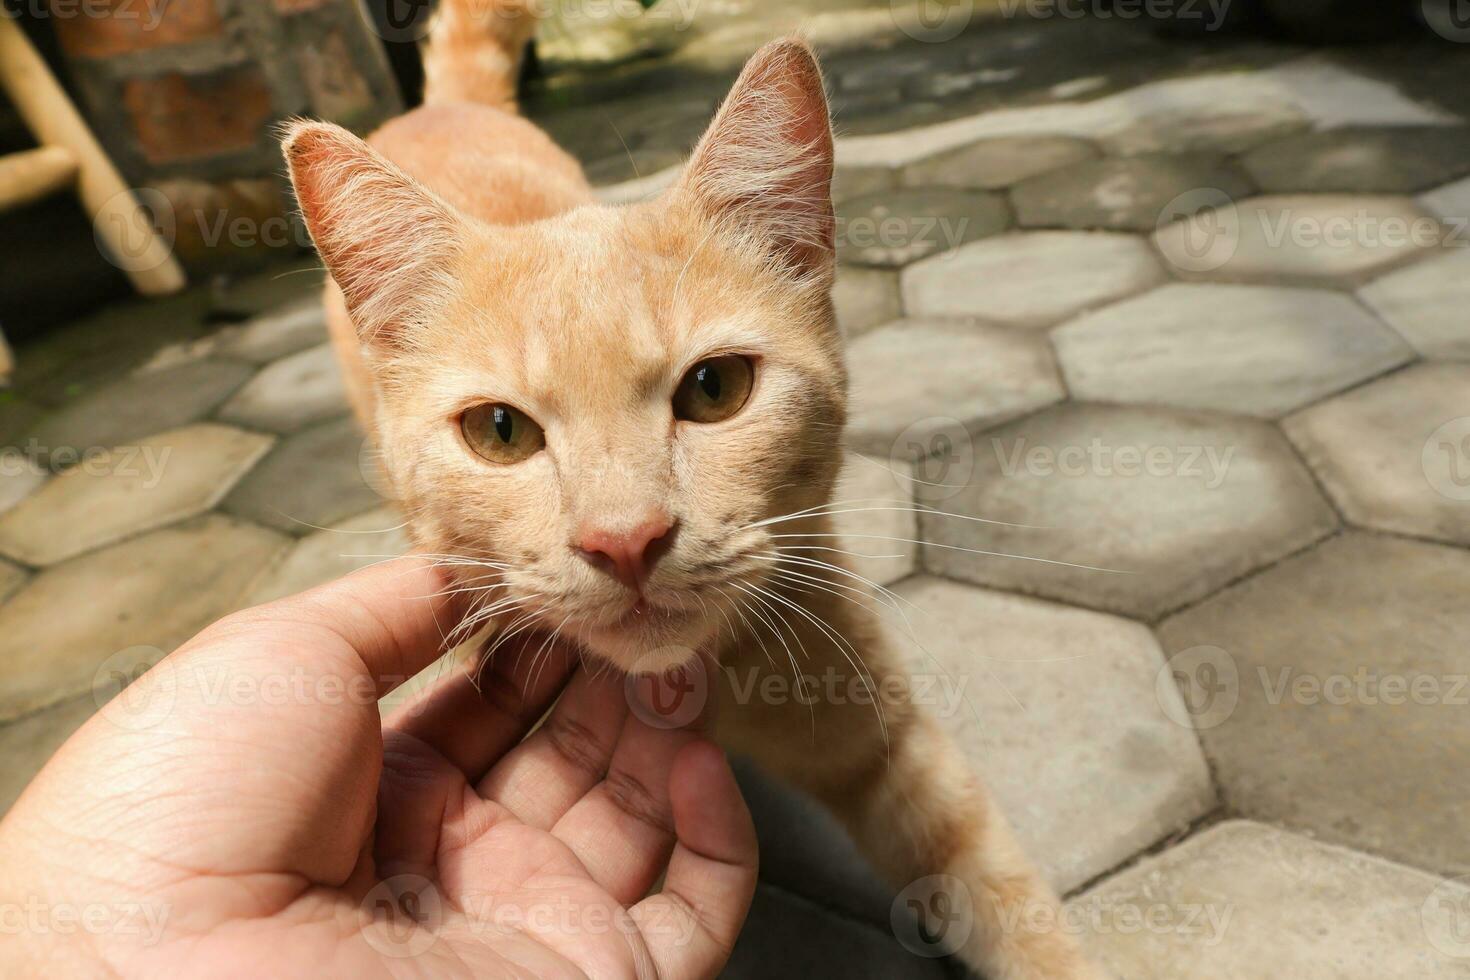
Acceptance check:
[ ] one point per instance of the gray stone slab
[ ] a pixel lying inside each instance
(874, 506)
(1362, 160)
(1246, 900)
(995, 164)
(1033, 279)
(1427, 303)
(1395, 454)
(276, 334)
(1339, 695)
(1174, 504)
(1056, 708)
(152, 591)
(299, 390)
(11, 578)
(1303, 239)
(891, 229)
(1221, 128)
(311, 480)
(354, 543)
(848, 182)
(164, 478)
(28, 744)
(1451, 202)
(1121, 193)
(915, 378)
(1258, 350)
(20, 476)
(864, 298)
(141, 405)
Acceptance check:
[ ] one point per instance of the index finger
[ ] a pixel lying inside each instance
(396, 615)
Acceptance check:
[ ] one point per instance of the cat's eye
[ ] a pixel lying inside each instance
(501, 434)
(714, 389)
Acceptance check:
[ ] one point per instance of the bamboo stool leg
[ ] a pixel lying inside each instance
(122, 224)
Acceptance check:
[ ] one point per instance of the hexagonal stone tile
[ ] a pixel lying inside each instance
(156, 590)
(857, 181)
(1223, 128)
(1307, 238)
(311, 480)
(1173, 504)
(11, 578)
(874, 505)
(1120, 193)
(27, 744)
(893, 228)
(1451, 202)
(19, 477)
(141, 405)
(1426, 302)
(1031, 280)
(1346, 670)
(1087, 779)
(114, 495)
(998, 163)
(1395, 455)
(916, 377)
(1361, 160)
(276, 334)
(1253, 349)
(354, 543)
(864, 298)
(290, 394)
(1246, 900)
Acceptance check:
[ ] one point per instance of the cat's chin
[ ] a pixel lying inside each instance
(650, 643)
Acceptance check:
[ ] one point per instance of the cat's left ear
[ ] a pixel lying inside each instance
(765, 164)
(389, 242)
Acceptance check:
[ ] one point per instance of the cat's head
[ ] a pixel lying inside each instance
(603, 408)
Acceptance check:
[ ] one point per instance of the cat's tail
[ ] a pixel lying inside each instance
(474, 48)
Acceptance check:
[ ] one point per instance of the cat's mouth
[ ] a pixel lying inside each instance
(647, 634)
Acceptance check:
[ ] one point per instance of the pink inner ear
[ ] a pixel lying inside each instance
(766, 161)
(386, 240)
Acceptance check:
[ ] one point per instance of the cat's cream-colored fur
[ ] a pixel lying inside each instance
(476, 267)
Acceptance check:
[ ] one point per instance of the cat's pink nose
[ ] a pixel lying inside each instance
(628, 556)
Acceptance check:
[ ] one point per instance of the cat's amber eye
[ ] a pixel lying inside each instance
(714, 389)
(501, 434)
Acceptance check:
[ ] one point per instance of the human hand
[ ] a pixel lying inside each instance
(200, 825)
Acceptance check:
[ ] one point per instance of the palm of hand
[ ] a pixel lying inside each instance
(293, 836)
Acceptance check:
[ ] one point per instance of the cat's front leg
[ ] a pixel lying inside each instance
(917, 810)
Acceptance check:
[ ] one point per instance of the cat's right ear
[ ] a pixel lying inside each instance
(388, 242)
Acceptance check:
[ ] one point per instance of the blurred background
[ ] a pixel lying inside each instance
(1180, 285)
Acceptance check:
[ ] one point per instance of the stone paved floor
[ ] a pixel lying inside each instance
(1192, 324)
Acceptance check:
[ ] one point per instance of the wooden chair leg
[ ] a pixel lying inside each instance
(122, 225)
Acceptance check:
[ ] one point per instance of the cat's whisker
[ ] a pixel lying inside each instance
(888, 505)
(795, 670)
(955, 547)
(845, 647)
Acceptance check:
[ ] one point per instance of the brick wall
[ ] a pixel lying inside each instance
(186, 96)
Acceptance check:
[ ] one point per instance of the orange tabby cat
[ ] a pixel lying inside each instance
(614, 408)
